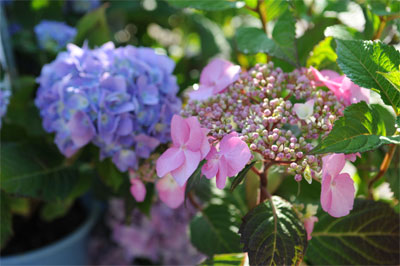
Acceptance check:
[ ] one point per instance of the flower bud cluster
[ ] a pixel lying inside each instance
(259, 106)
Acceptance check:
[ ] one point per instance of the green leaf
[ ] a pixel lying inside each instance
(35, 170)
(93, 27)
(226, 259)
(39, 4)
(360, 129)
(110, 175)
(393, 77)
(214, 230)
(362, 60)
(55, 209)
(273, 234)
(6, 219)
(369, 235)
(194, 179)
(254, 40)
(214, 5)
(275, 8)
(241, 175)
(323, 55)
(393, 175)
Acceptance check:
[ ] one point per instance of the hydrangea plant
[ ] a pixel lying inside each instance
(54, 35)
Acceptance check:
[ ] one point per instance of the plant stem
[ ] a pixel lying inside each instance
(263, 14)
(382, 25)
(264, 194)
(194, 202)
(383, 168)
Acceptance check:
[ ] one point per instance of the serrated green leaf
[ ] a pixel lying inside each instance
(93, 27)
(369, 235)
(323, 55)
(208, 5)
(214, 230)
(272, 234)
(393, 77)
(362, 60)
(6, 219)
(284, 35)
(34, 170)
(360, 129)
(241, 175)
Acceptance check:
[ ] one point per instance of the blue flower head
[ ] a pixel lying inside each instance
(54, 35)
(120, 99)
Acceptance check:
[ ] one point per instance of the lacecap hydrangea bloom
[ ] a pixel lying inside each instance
(120, 99)
(54, 35)
(161, 237)
(277, 116)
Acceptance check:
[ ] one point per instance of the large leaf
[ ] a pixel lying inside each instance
(360, 129)
(393, 175)
(282, 45)
(34, 170)
(6, 219)
(237, 259)
(273, 234)
(214, 230)
(214, 5)
(93, 27)
(369, 235)
(362, 60)
(241, 175)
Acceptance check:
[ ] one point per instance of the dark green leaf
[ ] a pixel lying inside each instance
(6, 219)
(34, 170)
(393, 175)
(55, 209)
(241, 175)
(209, 5)
(369, 235)
(93, 27)
(394, 78)
(214, 230)
(362, 60)
(110, 175)
(194, 179)
(273, 234)
(360, 129)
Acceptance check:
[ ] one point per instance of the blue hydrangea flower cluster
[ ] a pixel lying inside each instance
(54, 35)
(120, 99)
(4, 100)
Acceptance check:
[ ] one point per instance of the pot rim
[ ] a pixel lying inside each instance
(83, 229)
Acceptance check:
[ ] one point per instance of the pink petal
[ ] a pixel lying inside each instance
(309, 225)
(138, 189)
(342, 195)
(179, 130)
(236, 153)
(205, 145)
(352, 157)
(332, 164)
(182, 174)
(359, 94)
(326, 193)
(222, 173)
(210, 168)
(171, 159)
(196, 134)
(333, 84)
(169, 191)
(230, 75)
(330, 74)
(204, 92)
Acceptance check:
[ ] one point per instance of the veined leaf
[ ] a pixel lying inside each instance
(214, 230)
(369, 235)
(35, 171)
(360, 129)
(362, 60)
(241, 175)
(393, 78)
(6, 219)
(237, 259)
(323, 55)
(273, 234)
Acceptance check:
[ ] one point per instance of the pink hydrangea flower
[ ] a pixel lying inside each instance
(341, 86)
(215, 78)
(337, 189)
(232, 156)
(170, 192)
(304, 110)
(189, 146)
(309, 225)
(138, 189)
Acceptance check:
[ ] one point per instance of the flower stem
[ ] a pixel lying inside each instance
(263, 14)
(264, 194)
(382, 25)
(383, 168)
